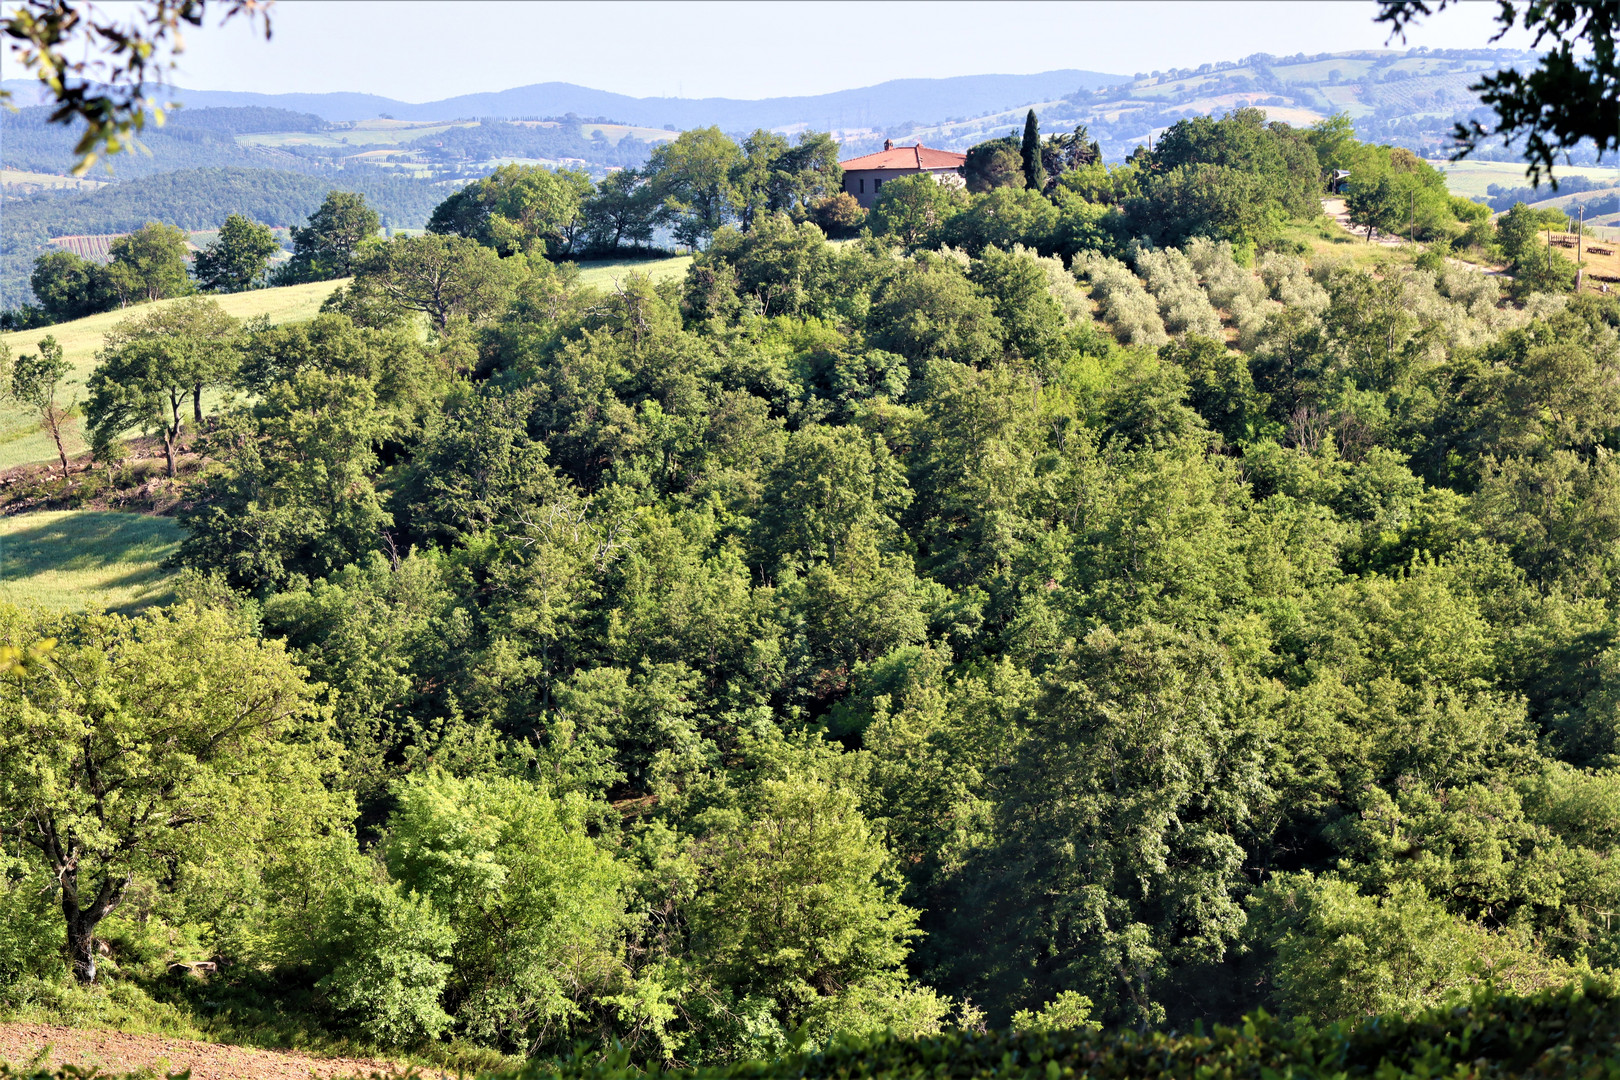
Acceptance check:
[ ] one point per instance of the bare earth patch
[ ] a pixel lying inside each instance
(114, 1051)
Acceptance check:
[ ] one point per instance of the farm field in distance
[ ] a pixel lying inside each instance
(1472, 178)
(85, 559)
(25, 180)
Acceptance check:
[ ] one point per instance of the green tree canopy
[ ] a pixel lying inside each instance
(1030, 150)
(145, 750)
(239, 258)
(35, 380)
(692, 177)
(447, 278)
(150, 366)
(328, 246)
(70, 287)
(150, 264)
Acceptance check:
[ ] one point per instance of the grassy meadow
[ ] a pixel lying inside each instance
(23, 441)
(81, 559)
(1471, 178)
(22, 178)
(601, 273)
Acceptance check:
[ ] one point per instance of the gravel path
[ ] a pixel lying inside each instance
(114, 1051)
(1336, 209)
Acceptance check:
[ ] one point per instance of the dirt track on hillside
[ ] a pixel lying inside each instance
(113, 1051)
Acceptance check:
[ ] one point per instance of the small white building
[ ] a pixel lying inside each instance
(863, 176)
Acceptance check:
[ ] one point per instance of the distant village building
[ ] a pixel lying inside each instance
(863, 176)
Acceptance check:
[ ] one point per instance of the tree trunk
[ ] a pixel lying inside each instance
(171, 433)
(55, 423)
(82, 922)
(81, 941)
(196, 404)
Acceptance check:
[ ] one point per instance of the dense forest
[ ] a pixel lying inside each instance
(1062, 603)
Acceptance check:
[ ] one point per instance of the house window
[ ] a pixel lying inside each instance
(876, 184)
(863, 185)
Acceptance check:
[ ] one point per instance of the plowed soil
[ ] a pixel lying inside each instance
(115, 1052)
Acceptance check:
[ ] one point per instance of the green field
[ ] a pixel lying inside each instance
(601, 273)
(82, 559)
(1471, 178)
(364, 133)
(615, 132)
(23, 178)
(22, 440)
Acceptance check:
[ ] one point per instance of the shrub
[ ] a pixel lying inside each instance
(1342, 954)
(389, 972)
(1569, 1033)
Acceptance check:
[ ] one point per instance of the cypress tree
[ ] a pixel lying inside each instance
(1034, 174)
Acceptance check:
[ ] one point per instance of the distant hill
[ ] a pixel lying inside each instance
(895, 102)
(1409, 98)
(193, 199)
(258, 137)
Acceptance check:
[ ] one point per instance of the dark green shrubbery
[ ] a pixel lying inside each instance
(1569, 1033)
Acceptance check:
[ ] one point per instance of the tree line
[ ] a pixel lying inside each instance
(1236, 178)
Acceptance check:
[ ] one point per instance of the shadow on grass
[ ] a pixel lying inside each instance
(109, 550)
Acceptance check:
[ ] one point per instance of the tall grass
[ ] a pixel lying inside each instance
(601, 273)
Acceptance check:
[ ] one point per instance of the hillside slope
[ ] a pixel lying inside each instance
(193, 199)
(22, 441)
(1407, 98)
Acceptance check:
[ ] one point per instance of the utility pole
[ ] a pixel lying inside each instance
(1580, 234)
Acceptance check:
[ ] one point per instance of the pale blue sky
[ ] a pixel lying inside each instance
(422, 51)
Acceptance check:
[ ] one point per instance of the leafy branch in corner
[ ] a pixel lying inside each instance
(112, 88)
(1567, 99)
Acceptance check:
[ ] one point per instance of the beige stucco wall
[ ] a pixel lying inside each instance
(863, 183)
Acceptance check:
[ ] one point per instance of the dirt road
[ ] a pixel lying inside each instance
(112, 1051)
(1336, 209)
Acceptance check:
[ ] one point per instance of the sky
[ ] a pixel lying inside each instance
(423, 51)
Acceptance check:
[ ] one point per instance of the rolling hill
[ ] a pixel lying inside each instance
(1407, 98)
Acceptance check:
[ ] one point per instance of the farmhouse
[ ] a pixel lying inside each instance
(863, 176)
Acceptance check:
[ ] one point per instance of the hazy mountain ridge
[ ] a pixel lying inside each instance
(894, 102)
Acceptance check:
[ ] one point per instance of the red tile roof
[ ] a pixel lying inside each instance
(907, 157)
